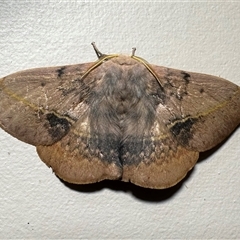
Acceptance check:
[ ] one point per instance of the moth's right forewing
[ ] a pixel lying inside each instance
(200, 110)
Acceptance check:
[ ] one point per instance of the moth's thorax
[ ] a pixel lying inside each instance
(123, 98)
(124, 83)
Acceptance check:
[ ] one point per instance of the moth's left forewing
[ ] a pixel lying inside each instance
(38, 106)
(200, 110)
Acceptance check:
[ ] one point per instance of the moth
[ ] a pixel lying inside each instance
(119, 118)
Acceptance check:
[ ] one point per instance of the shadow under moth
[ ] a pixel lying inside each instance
(119, 118)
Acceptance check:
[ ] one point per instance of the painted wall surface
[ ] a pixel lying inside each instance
(201, 37)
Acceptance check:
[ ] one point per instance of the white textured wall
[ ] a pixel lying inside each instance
(200, 37)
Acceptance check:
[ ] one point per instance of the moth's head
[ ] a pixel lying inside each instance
(122, 60)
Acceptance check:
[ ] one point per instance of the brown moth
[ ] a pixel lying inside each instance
(119, 118)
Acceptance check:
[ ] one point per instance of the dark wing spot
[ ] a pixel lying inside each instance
(57, 127)
(182, 129)
(186, 76)
(201, 90)
(60, 71)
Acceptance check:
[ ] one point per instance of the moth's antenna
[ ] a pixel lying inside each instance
(101, 59)
(133, 51)
(99, 54)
